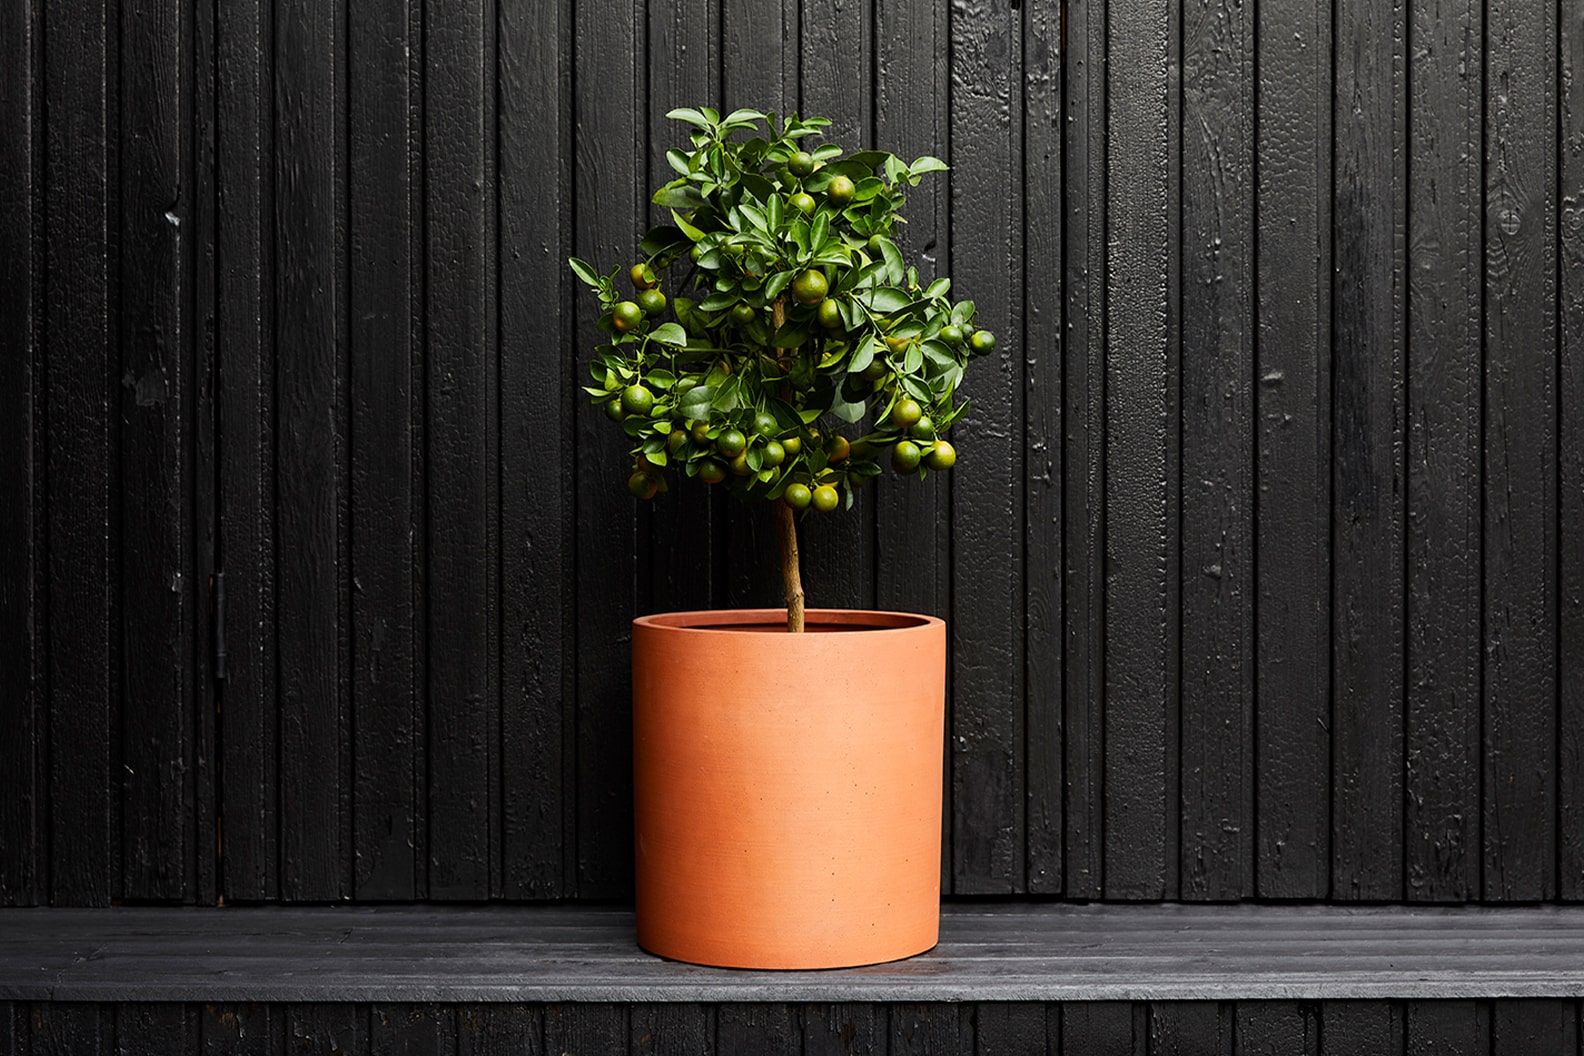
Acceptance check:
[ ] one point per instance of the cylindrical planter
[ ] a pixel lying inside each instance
(787, 787)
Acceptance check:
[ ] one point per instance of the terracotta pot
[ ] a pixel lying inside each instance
(788, 787)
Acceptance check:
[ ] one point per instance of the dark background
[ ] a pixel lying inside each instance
(1263, 560)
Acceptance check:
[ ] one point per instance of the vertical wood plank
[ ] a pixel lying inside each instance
(987, 514)
(1366, 452)
(1043, 107)
(500, 1030)
(1520, 549)
(931, 1030)
(835, 81)
(1139, 540)
(413, 1030)
(22, 516)
(684, 69)
(155, 1029)
(1533, 1027)
(239, 1029)
(847, 1029)
(1293, 473)
(155, 403)
(1361, 1028)
(248, 734)
(385, 546)
(84, 687)
(671, 1030)
(913, 517)
(537, 501)
(1014, 1029)
(585, 1028)
(1441, 842)
(458, 469)
(1217, 565)
(1570, 509)
(71, 1029)
(327, 1028)
(609, 191)
(1277, 1028)
(1192, 1028)
(309, 454)
(1104, 1028)
(1448, 1028)
(770, 1030)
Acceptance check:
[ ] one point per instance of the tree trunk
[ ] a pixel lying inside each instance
(791, 578)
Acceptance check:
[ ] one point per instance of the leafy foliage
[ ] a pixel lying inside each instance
(794, 321)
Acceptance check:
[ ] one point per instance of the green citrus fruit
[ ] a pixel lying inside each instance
(711, 471)
(651, 301)
(982, 341)
(626, 315)
(797, 496)
(743, 314)
(830, 316)
(675, 441)
(731, 443)
(774, 453)
(792, 445)
(905, 456)
(923, 429)
(839, 450)
(952, 334)
(801, 163)
(740, 466)
(906, 413)
(841, 190)
(642, 486)
(825, 498)
(874, 371)
(636, 399)
(941, 455)
(810, 287)
(803, 202)
(695, 253)
(613, 410)
(700, 432)
(764, 424)
(898, 344)
(643, 277)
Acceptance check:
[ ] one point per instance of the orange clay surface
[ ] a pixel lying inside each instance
(788, 787)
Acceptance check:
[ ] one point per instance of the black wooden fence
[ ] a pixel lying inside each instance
(1264, 559)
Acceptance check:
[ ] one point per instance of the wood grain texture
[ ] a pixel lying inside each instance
(23, 690)
(463, 711)
(1278, 1028)
(1530, 1028)
(987, 570)
(1292, 362)
(1570, 443)
(1520, 478)
(1139, 755)
(538, 700)
(1442, 498)
(1192, 1028)
(385, 545)
(1083, 458)
(1217, 464)
(309, 451)
(1448, 1028)
(1112, 1028)
(1368, 224)
(80, 233)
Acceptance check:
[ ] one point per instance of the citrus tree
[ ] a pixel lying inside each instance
(775, 342)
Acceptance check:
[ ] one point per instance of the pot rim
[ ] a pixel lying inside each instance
(769, 621)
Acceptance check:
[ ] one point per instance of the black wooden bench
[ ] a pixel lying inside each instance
(1006, 978)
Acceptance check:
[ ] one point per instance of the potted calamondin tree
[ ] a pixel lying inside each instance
(772, 341)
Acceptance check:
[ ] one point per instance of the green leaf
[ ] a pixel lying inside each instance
(717, 301)
(687, 229)
(743, 117)
(776, 284)
(914, 358)
(847, 411)
(819, 233)
(864, 355)
(926, 164)
(790, 337)
(691, 116)
(888, 299)
(938, 288)
(695, 403)
(896, 269)
(669, 334)
(583, 271)
(678, 194)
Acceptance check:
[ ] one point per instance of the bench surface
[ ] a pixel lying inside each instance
(986, 953)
